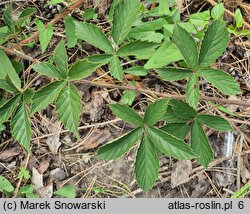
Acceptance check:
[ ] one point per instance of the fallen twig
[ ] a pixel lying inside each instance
(170, 96)
(54, 21)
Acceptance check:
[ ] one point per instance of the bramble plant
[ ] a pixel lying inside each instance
(194, 46)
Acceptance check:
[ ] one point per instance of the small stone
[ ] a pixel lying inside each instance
(58, 174)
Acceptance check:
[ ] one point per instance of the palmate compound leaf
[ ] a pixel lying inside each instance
(120, 146)
(7, 109)
(20, 127)
(93, 35)
(69, 108)
(61, 58)
(146, 164)
(214, 122)
(221, 80)
(155, 112)
(170, 145)
(127, 114)
(214, 43)
(45, 96)
(124, 17)
(200, 144)
(85, 67)
(192, 91)
(173, 74)
(187, 46)
(7, 69)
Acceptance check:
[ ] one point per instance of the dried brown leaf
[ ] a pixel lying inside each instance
(8, 154)
(180, 173)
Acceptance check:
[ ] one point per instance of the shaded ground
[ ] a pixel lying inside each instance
(62, 159)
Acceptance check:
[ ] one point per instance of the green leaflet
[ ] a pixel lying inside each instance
(218, 11)
(61, 58)
(171, 117)
(20, 127)
(150, 36)
(169, 28)
(164, 7)
(187, 46)
(136, 48)
(173, 74)
(214, 122)
(5, 185)
(146, 164)
(128, 97)
(169, 145)
(120, 146)
(7, 109)
(23, 173)
(27, 95)
(136, 70)
(69, 108)
(178, 130)
(28, 191)
(8, 19)
(45, 96)
(238, 18)
(112, 9)
(127, 114)
(66, 192)
(116, 68)
(85, 67)
(124, 17)
(25, 14)
(221, 80)
(45, 34)
(182, 109)
(18, 66)
(167, 53)
(5, 86)
(155, 112)
(51, 2)
(93, 35)
(47, 69)
(7, 69)
(192, 91)
(70, 31)
(147, 31)
(200, 144)
(214, 43)
(200, 19)
(89, 14)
